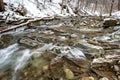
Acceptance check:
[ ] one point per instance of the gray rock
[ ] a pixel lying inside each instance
(78, 57)
(29, 43)
(116, 68)
(89, 48)
(76, 54)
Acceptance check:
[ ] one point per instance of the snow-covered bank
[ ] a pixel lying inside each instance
(116, 14)
(17, 9)
(33, 8)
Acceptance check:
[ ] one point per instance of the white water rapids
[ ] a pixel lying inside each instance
(13, 57)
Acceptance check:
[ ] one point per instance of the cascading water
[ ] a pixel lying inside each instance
(13, 57)
(58, 51)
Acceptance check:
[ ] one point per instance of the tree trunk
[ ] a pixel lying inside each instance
(62, 5)
(111, 8)
(2, 8)
(119, 5)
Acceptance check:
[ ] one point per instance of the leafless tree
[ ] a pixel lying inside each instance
(2, 8)
(111, 8)
(119, 5)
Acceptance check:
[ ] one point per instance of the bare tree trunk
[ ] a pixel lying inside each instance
(111, 8)
(96, 5)
(62, 5)
(119, 5)
(2, 8)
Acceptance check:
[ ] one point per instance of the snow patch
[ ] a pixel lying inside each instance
(116, 14)
(34, 8)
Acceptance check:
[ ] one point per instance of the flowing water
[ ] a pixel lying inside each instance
(15, 56)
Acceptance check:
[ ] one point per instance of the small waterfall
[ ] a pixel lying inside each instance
(6, 55)
(13, 57)
(21, 61)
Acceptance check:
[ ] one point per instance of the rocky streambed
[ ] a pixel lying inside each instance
(74, 48)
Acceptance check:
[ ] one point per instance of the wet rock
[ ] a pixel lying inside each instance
(7, 37)
(41, 79)
(116, 35)
(73, 36)
(118, 77)
(27, 42)
(103, 39)
(1, 44)
(39, 51)
(108, 74)
(38, 68)
(90, 49)
(102, 63)
(29, 72)
(116, 68)
(62, 38)
(104, 67)
(56, 68)
(6, 40)
(76, 54)
(93, 42)
(41, 62)
(78, 57)
(5, 75)
(108, 22)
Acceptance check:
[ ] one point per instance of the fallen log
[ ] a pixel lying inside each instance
(23, 24)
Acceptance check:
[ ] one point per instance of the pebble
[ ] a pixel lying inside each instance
(45, 67)
(116, 68)
(88, 78)
(25, 73)
(104, 78)
(73, 35)
(69, 74)
(119, 77)
(41, 79)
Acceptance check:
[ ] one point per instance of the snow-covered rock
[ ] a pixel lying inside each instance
(108, 22)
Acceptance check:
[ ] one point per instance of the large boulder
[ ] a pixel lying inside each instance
(78, 58)
(108, 22)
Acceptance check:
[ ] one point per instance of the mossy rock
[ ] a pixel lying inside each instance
(6, 40)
